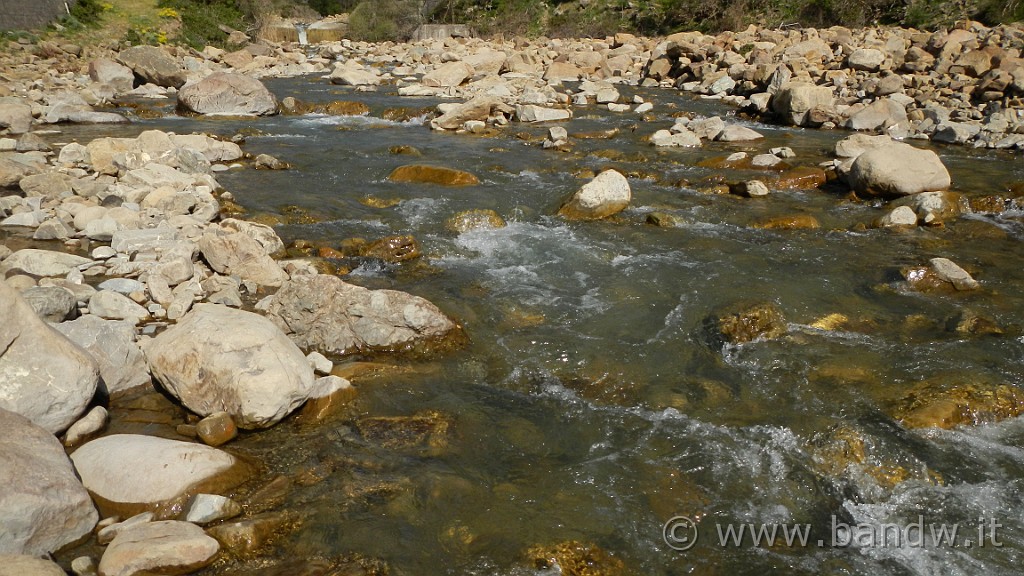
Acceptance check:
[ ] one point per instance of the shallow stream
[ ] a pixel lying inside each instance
(589, 405)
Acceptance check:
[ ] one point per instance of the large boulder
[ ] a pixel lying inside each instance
(607, 194)
(14, 167)
(898, 169)
(479, 108)
(238, 253)
(42, 262)
(881, 113)
(43, 506)
(129, 473)
(43, 376)
(218, 359)
(15, 115)
(112, 344)
(330, 316)
(451, 74)
(164, 547)
(153, 65)
(118, 77)
(795, 100)
(223, 93)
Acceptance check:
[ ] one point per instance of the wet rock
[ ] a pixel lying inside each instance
(845, 453)
(478, 219)
(794, 101)
(164, 547)
(744, 323)
(393, 249)
(336, 392)
(424, 430)
(326, 314)
(948, 402)
(51, 303)
(250, 535)
(223, 93)
(902, 216)
(268, 162)
(574, 558)
(54, 393)
(92, 423)
(209, 508)
(970, 323)
(934, 208)
(799, 178)
(128, 473)
(750, 189)
(26, 565)
(423, 174)
(607, 194)
(238, 253)
(218, 359)
(217, 429)
(948, 271)
(42, 262)
(43, 506)
(898, 169)
(789, 222)
(451, 74)
(153, 65)
(112, 344)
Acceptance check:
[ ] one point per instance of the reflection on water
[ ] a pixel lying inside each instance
(589, 405)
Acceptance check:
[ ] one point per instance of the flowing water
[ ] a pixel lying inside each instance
(589, 405)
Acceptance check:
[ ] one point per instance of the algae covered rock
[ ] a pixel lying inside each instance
(951, 401)
(745, 322)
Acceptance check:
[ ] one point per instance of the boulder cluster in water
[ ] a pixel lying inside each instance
(155, 287)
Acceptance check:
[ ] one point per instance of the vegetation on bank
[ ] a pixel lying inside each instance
(203, 22)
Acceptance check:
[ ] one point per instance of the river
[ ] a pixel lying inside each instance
(589, 404)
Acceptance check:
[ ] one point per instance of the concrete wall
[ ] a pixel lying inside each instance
(29, 14)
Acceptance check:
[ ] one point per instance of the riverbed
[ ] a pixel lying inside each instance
(590, 404)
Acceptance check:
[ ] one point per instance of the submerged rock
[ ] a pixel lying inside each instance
(574, 558)
(218, 359)
(948, 402)
(478, 219)
(745, 323)
(326, 314)
(129, 473)
(393, 249)
(43, 506)
(423, 174)
(607, 194)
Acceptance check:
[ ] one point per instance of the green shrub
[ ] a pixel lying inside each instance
(381, 20)
(200, 20)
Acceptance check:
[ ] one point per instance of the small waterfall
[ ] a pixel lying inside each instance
(302, 33)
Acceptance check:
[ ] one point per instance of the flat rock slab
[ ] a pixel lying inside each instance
(165, 547)
(129, 473)
(43, 506)
(43, 262)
